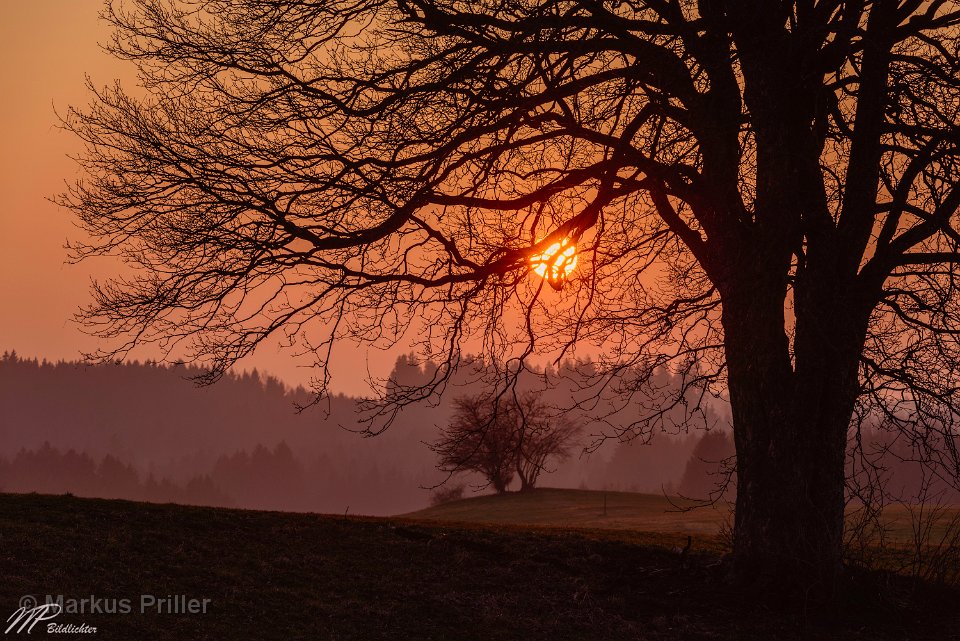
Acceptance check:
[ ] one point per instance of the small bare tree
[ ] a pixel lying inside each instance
(500, 437)
(541, 436)
(476, 441)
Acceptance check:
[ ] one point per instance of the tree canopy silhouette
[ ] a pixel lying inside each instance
(762, 196)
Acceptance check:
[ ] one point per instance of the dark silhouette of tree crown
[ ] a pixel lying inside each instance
(763, 197)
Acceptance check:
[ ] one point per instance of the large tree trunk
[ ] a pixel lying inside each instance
(791, 405)
(790, 424)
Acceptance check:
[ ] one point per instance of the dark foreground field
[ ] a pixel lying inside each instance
(270, 575)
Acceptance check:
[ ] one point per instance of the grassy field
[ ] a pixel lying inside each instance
(630, 512)
(589, 509)
(271, 575)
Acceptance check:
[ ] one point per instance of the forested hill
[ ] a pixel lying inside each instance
(147, 412)
(155, 419)
(147, 432)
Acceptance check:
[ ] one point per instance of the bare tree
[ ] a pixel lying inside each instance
(543, 436)
(762, 197)
(500, 437)
(477, 439)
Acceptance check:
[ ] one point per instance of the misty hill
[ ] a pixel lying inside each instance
(145, 431)
(63, 419)
(154, 414)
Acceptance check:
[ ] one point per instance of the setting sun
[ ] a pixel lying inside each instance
(556, 262)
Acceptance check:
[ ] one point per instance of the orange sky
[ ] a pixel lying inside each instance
(47, 47)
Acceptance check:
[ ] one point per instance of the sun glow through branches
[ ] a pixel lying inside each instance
(556, 262)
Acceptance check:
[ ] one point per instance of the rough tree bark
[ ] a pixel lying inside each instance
(791, 433)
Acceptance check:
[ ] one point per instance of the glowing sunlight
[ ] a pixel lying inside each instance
(556, 262)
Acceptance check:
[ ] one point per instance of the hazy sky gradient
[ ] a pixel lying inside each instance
(47, 48)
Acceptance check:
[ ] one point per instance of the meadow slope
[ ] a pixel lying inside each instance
(585, 509)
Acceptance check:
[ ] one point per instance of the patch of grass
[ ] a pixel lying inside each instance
(655, 518)
(898, 523)
(584, 508)
(275, 575)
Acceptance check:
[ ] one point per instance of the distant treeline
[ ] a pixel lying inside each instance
(241, 441)
(145, 431)
(243, 433)
(264, 479)
(47, 470)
